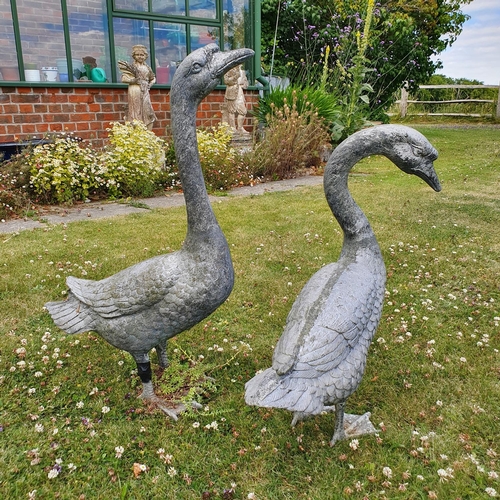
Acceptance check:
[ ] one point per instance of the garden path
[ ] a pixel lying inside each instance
(97, 210)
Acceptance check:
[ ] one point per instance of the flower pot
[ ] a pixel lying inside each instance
(10, 73)
(49, 74)
(62, 66)
(32, 75)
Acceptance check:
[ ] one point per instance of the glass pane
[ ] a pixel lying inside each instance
(202, 8)
(236, 24)
(170, 49)
(89, 41)
(136, 5)
(129, 32)
(203, 35)
(42, 38)
(8, 56)
(169, 7)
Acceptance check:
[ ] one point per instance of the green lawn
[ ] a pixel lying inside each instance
(72, 427)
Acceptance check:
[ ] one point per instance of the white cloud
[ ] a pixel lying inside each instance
(476, 53)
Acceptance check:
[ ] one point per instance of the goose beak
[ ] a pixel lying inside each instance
(429, 175)
(224, 61)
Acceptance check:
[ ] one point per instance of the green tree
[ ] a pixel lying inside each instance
(404, 35)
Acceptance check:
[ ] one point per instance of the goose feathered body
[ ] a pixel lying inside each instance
(320, 358)
(144, 305)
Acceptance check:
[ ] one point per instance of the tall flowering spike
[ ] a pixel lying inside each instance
(368, 21)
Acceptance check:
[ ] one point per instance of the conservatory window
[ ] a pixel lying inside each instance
(50, 40)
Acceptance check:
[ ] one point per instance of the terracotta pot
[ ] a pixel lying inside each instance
(10, 73)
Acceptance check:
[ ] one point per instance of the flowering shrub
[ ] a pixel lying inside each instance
(62, 171)
(134, 162)
(221, 164)
(14, 184)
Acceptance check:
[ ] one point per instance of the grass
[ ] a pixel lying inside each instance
(72, 427)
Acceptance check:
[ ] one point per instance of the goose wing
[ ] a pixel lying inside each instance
(131, 290)
(336, 313)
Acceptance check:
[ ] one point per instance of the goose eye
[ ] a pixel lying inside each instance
(196, 67)
(417, 150)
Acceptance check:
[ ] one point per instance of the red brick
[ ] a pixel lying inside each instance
(42, 127)
(26, 108)
(26, 98)
(82, 126)
(81, 117)
(28, 129)
(41, 108)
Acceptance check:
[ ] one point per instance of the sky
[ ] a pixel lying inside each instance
(476, 53)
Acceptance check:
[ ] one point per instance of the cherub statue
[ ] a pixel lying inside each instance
(234, 99)
(139, 77)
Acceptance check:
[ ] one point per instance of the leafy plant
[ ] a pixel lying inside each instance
(293, 139)
(403, 38)
(326, 104)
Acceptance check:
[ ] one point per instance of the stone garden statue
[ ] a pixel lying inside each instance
(235, 109)
(320, 358)
(143, 306)
(139, 77)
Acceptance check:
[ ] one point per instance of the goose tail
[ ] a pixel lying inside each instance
(71, 315)
(270, 390)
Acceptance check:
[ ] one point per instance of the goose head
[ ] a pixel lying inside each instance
(200, 72)
(412, 153)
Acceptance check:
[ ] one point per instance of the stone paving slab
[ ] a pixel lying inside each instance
(97, 210)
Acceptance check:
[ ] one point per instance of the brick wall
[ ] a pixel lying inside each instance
(27, 112)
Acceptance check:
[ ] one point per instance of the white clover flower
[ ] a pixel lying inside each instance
(387, 472)
(119, 451)
(491, 492)
(53, 473)
(105, 409)
(172, 471)
(445, 474)
(354, 444)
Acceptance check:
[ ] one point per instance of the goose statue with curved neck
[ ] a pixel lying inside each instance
(141, 307)
(320, 358)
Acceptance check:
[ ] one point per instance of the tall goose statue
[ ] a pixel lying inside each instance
(320, 358)
(141, 307)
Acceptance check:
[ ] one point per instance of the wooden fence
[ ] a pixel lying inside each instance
(404, 101)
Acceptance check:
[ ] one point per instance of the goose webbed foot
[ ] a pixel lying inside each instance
(149, 395)
(348, 426)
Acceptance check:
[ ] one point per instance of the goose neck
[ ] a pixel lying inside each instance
(349, 215)
(200, 216)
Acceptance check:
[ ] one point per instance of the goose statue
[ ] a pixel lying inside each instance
(320, 358)
(141, 307)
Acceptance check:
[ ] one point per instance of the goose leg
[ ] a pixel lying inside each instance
(161, 350)
(338, 433)
(148, 394)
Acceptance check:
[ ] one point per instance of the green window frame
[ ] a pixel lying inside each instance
(158, 24)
